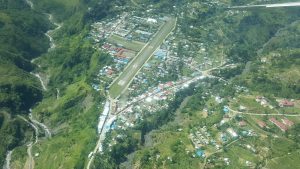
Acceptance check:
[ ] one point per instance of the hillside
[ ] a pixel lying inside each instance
(261, 54)
(69, 107)
(221, 91)
(22, 39)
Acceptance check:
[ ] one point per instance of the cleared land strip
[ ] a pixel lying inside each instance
(124, 80)
(132, 45)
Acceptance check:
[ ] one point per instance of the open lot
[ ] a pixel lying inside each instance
(123, 81)
(132, 45)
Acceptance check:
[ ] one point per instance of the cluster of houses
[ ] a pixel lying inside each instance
(138, 28)
(284, 124)
(102, 30)
(125, 26)
(285, 103)
(201, 137)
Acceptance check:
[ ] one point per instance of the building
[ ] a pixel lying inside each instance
(200, 153)
(151, 20)
(242, 123)
(286, 103)
(225, 109)
(232, 133)
(261, 123)
(280, 125)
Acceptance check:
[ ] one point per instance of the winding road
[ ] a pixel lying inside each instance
(52, 44)
(30, 161)
(33, 122)
(7, 160)
(42, 125)
(50, 32)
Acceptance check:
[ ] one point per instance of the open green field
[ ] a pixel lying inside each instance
(135, 65)
(132, 45)
(285, 162)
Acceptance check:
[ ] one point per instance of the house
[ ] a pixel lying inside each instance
(160, 54)
(232, 133)
(242, 123)
(223, 137)
(242, 108)
(110, 71)
(120, 53)
(225, 109)
(286, 103)
(261, 123)
(287, 122)
(200, 153)
(261, 100)
(280, 125)
(151, 20)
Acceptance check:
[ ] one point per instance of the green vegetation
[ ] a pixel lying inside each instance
(22, 39)
(132, 45)
(69, 67)
(261, 44)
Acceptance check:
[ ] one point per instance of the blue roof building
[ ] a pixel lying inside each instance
(200, 153)
(225, 109)
(160, 54)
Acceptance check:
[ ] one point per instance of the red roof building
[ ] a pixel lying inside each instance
(242, 123)
(106, 46)
(169, 84)
(110, 71)
(261, 123)
(278, 124)
(286, 103)
(120, 54)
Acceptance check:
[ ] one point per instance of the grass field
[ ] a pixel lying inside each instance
(123, 81)
(132, 45)
(285, 162)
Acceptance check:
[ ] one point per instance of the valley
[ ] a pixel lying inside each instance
(149, 84)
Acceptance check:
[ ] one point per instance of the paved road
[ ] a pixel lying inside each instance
(102, 131)
(126, 77)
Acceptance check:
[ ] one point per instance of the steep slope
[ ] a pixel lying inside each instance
(22, 39)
